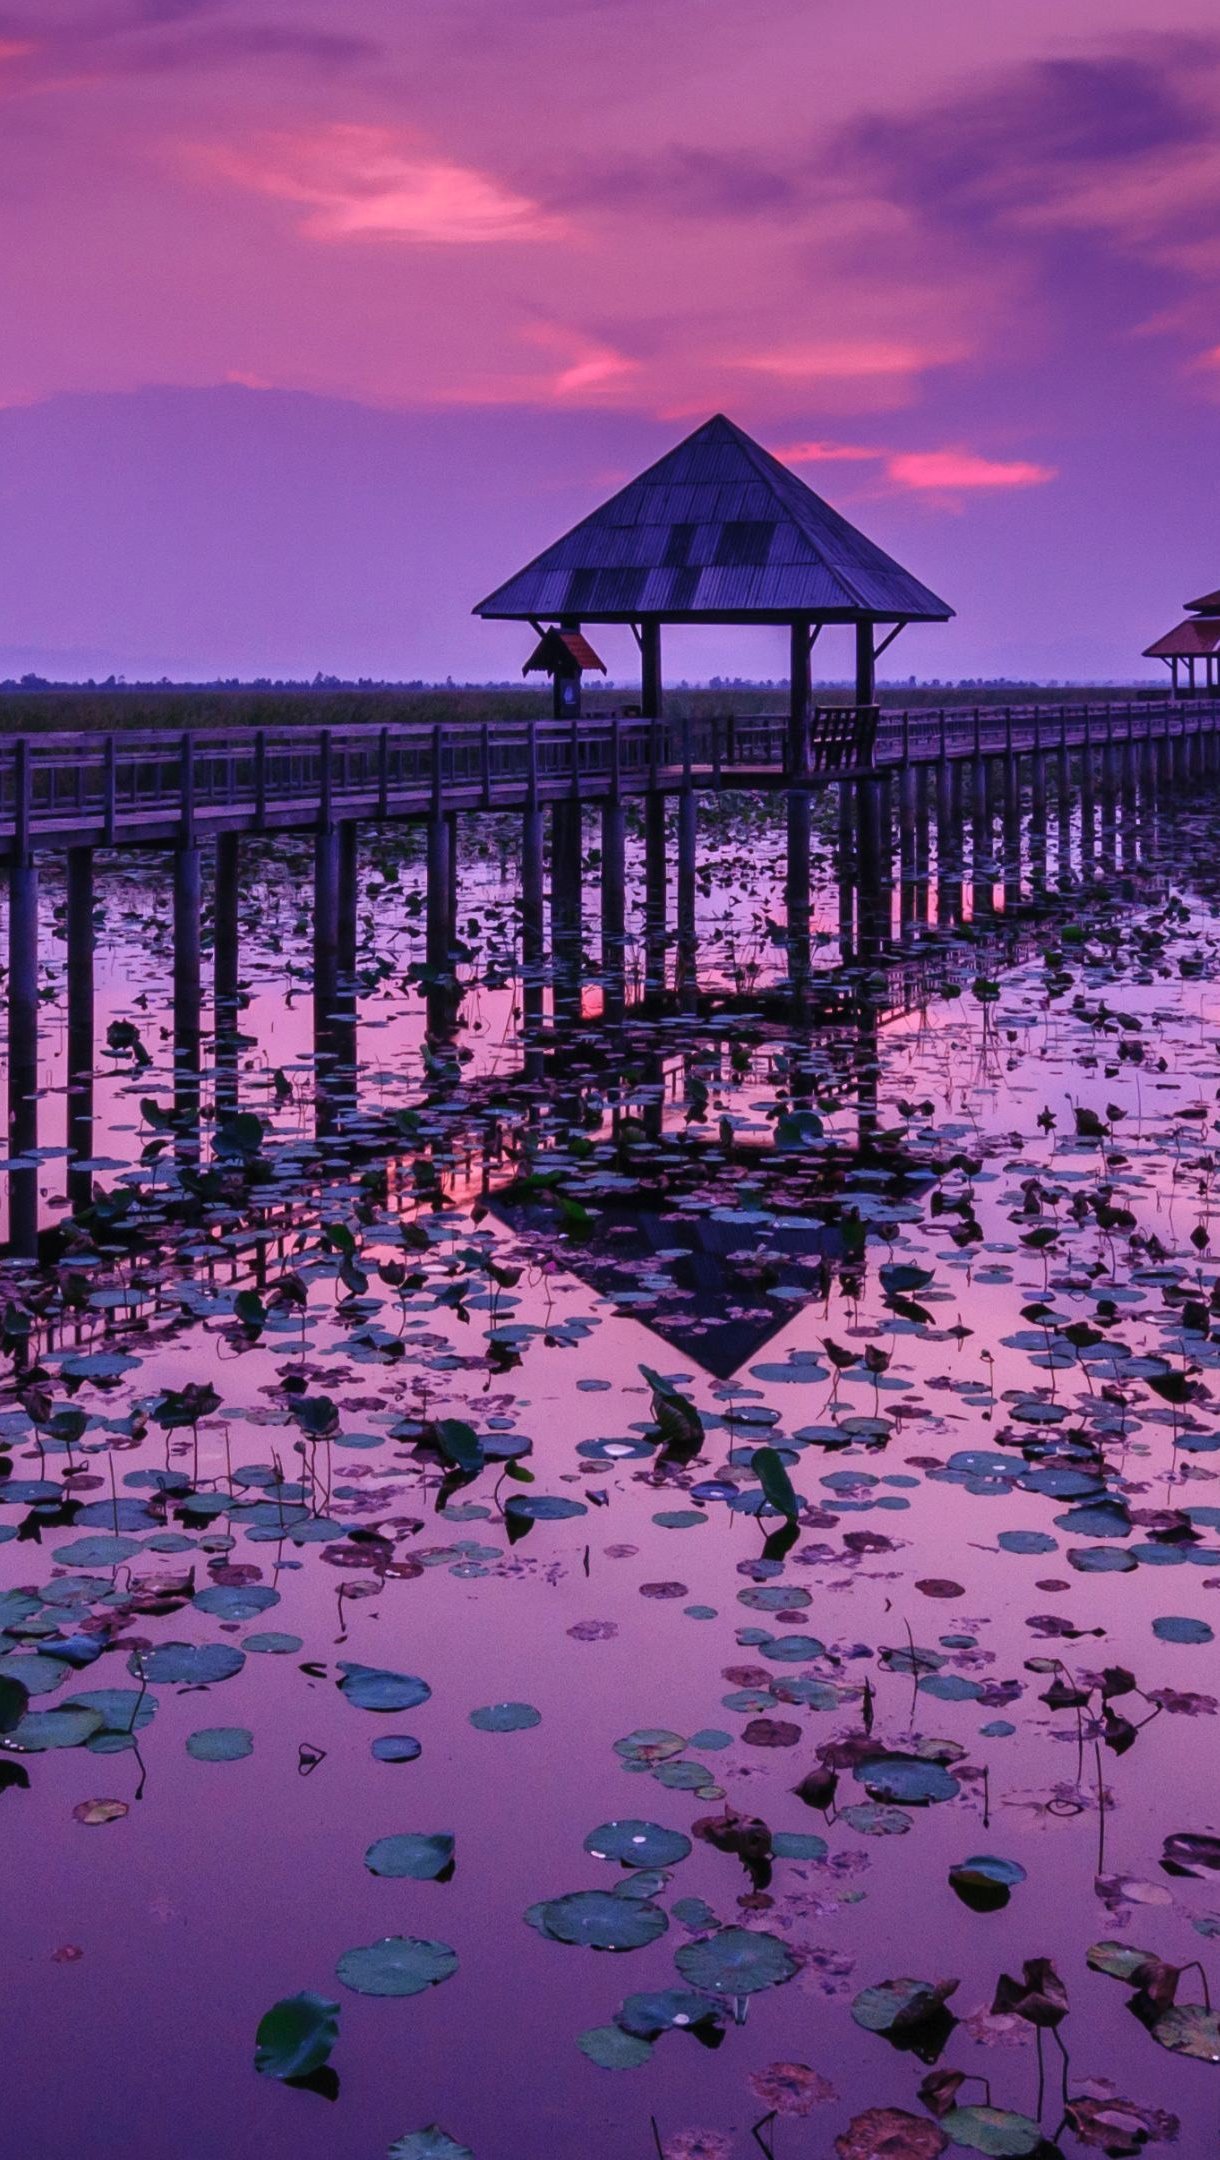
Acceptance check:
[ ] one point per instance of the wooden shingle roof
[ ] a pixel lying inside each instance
(716, 531)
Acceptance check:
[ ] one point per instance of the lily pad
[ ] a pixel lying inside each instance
(295, 2037)
(598, 1920)
(397, 1965)
(1189, 2029)
(503, 1717)
(997, 2131)
(613, 2049)
(370, 1687)
(637, 1844)
(1177, 1628)
(736, 1961)
(180, 1664)
(430, 2144)
(907, 1780)
(39, 1730)
(426, 1856)
(985, 1883)
(396, 1747)
(220, 1743)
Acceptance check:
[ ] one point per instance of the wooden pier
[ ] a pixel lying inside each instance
(716, 532)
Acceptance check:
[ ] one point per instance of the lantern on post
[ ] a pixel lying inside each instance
(563, 655)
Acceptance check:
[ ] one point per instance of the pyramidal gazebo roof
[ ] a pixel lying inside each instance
(716, 531)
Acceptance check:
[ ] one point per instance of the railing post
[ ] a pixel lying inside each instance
(187, 788)
(716, 755)
(574, 755)
(383, 773)
(260, 780)
(438, 791)
(109, 790)
(485, 764)
(21, 800)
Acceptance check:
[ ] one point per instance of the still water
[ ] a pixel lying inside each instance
(693, 1565)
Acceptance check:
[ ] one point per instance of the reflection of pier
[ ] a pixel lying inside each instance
(944, 810)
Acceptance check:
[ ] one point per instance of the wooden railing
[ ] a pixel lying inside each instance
(96, 789)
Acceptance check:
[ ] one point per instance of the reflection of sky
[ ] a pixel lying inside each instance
(229, 1886)
(356, 316)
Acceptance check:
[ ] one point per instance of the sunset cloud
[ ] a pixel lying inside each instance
(952, 472)
(365, 183)
(825, 453)
(840, 359)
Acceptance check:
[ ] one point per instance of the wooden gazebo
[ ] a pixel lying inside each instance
(1196, 638)
(718, 531)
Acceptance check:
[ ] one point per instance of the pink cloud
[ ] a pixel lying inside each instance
(952, 471)
(845, 358)
(826, 453)
(367, 182)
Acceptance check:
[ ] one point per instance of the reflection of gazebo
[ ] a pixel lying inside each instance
(1195, 639)
(718, 531)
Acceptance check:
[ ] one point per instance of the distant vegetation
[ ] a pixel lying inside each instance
(33, 706)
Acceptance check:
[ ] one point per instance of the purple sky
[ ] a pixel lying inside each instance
(317, 320)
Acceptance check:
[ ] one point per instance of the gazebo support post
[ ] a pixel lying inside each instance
(800, 703)
(656, 869)
(866, 665)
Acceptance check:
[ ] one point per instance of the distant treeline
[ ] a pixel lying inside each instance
(32, 706)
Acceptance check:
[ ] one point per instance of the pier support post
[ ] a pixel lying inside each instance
(906, 845)
(948, 842)
(325, 934)
(348, 896)
(1109, 805)
(656, 877)
(1063, 813)
(23, 1051)
(439, 933)
(797, 891)
(923, 841)
(533, 909)
(226, 886)
(347, 912)
(80, 1024)
(188, 973)
(982, 829)
(1012, 829)
(1129, 776)
(225, 947)
(686, 977)
(614, 909)
(874, 855)
(847, 870)
(567, 844)
(1038, 822)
